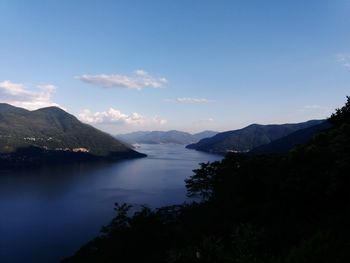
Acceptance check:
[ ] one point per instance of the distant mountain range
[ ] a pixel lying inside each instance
(158, 137)
(255, 135)
(53, 132)
(51, 135)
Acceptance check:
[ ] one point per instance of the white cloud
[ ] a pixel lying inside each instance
(188, 100)
(19, 95)
(192, 100)
(117, 117)
(137, 80)
(207, 120)
(316, 109)
(344, 59)
(159, 120)
(313, 107)
(111, 115)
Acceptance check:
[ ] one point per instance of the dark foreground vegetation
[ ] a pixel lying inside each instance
(274, 209)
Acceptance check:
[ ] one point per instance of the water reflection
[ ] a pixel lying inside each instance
(47, 213)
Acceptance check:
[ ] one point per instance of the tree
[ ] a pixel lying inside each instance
(341, 115)
(203, 181)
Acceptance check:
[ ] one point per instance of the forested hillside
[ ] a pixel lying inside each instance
(51, 135)
(248, 138)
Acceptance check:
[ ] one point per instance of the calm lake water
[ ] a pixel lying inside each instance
(46, 214)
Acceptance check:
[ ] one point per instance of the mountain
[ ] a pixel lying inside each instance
(157, 137)
(285, 144)
(52, 130)
(248, 138)
(131, 137)
(204, 134)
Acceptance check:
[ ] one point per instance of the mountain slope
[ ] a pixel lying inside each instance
(248, 138)
(157, 137)
(285, 144)
(202, 135)
(53, 129)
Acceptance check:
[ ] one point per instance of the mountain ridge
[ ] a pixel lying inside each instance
(249, 137)
(159, 137)
(53, 130)
(285, 144)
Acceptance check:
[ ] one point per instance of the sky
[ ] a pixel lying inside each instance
(189, 65)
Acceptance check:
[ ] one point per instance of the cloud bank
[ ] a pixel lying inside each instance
(117, 117)
(137, 80)
(110, 116)
(19, 95)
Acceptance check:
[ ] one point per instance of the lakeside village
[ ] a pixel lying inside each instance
(79, 149)
(41, 140)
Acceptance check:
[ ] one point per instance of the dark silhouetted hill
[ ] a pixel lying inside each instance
(248, 138)
(285, 144)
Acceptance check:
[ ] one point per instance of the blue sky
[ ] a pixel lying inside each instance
(188, 65)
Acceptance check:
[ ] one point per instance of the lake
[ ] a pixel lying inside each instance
(47, 213)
